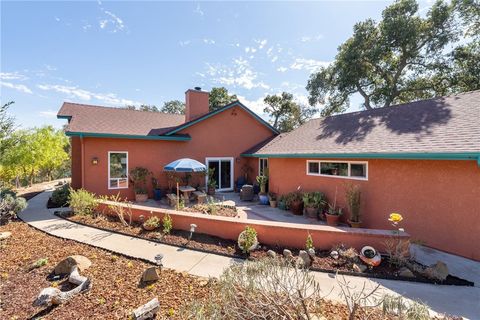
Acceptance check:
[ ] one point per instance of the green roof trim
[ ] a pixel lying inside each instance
(64, 117)
(126, 136)
(226, 107)
(405, 156)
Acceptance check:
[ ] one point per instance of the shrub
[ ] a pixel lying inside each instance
(119, 209)
(309, 242)
(60, 195)
(138, 176)
(352, 196)
(82, 202)
(247, 239)
(10, 206)
(153, 221)
(265, 289)
(167, 224)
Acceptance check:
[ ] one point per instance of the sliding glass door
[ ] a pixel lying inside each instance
(223, 172)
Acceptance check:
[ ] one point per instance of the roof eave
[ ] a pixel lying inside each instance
(126, 136)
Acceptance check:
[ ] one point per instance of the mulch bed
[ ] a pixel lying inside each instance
(207, 243)
(115, 291)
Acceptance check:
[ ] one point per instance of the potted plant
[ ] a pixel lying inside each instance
(211, 183)
(352, 196)
(262, 195)
(138, 176)
(272, 197)
(333, 213)
(157, 192)
(151, 223)
(313, 201)
(282, 202)
(295, 203)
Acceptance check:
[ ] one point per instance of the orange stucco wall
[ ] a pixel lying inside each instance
(76, 162)
(226, 134)
(439, 200)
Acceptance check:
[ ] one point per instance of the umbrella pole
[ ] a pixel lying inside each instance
(178, 197)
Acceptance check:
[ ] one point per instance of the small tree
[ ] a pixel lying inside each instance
(138, 176)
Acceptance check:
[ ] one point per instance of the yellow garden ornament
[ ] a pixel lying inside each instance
(395, 217)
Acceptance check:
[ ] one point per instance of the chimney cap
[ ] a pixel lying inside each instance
(198, 88)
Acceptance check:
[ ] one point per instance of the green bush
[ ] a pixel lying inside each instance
(167, 224)
(153, 221)
(10, 205)
(82, 202)
(60, 195)
(247, 239)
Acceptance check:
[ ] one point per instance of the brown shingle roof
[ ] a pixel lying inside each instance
(444, 124)
(97, 119)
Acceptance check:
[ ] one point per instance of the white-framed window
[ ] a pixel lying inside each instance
(262, 165)
(338, 169)
(117, 170)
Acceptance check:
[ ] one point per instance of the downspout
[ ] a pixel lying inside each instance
(82, 150)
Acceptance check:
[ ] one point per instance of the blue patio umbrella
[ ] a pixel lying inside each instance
(185, 165)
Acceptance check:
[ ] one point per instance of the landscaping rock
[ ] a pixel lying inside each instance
(287, 254)
(271, 253)
(334, 254)
(150, 274)
(307, 261)
(437, 271)
(405, 272)
(357, 267)
(5, 235)
(147, 311)
(311, 253)
(65, 266)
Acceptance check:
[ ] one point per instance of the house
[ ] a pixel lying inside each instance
(420, 159)
(108, 142)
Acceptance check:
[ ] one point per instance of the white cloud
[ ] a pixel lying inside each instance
(282, 69)
(184, 43)
(261, 43)
(57, 19)
(310, 65)
(19, 87)
(198, 10)
(50, 67)
(12, 76)
(275, 58)
(48, 114)
(240, 74)
(256, 105)
(208, 41)
(110, 22)
(76, 92)
(311, 38)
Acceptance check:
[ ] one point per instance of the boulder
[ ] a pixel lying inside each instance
(147, 311)
(271, 253)
(311, 253)
(4, 235)
(360, 268)
(287, 254)
(334, 254)
(150, 274)
(307, 261)
(65, 266)
(437, 271)
(405, 272)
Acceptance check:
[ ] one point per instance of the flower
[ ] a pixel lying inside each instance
(395, 217)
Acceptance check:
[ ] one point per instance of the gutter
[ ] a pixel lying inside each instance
(403, 156)
(125, 136)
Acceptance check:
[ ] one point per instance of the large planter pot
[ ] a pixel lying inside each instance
(263, 199)
(273, 203)
(311, 212)
(141, 197)
(332, 220)
(211, 191)
(355, 224)
(157, 194)
(296, 207)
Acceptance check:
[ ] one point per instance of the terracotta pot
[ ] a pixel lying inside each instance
(297, 207)
(211, 191)
(140, 197)
(311, 212)
(148, 228)
(355, 224)
(273, 203)
(332, 220)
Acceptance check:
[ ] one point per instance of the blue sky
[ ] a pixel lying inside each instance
(117, 53)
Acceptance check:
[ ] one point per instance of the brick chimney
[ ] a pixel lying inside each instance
(196, 103)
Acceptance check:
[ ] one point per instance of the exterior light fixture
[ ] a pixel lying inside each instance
(94, 161)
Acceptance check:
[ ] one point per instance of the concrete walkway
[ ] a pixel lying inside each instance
(461, 301)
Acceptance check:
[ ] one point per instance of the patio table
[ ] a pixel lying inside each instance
(186, 191)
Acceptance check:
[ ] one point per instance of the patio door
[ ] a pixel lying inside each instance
(223, 172)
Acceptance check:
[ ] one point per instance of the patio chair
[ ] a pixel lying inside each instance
(240, 182)
(246, 193)
(172, 199)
